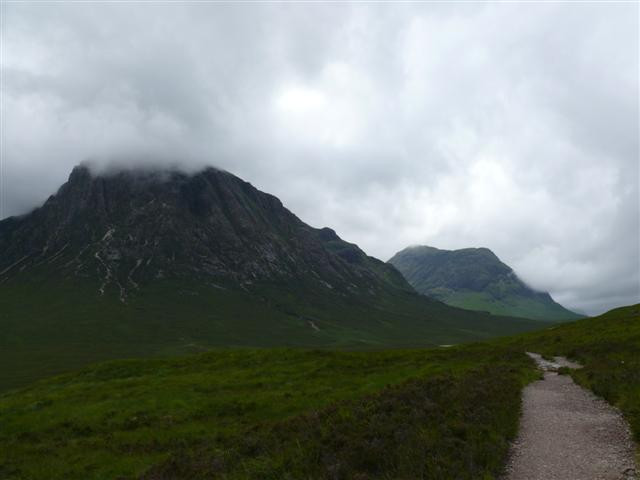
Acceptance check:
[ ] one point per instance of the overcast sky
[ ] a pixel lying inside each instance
(508, 126)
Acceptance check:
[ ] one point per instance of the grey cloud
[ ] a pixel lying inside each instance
(508, 126)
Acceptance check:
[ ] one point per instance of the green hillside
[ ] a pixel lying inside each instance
(514, 305)
(475, 279)
(282, 413)
(50, 327)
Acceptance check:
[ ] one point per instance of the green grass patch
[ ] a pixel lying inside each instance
(270, 414)
(508, 304)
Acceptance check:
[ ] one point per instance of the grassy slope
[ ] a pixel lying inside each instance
(517, 305)
(48, 328)
(439, 413)
(443, 413)
(609, 348)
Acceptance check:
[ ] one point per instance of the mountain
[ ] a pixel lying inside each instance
(146, 262)
(476, 279)
(128, 229)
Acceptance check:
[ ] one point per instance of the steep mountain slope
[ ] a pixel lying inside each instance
(132, 227)
(146, 262)
(476, 279)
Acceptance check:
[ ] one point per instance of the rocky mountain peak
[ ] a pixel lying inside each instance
(123, 229)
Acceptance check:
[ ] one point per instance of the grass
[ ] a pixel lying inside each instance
(283, 413)
(509, 304)
(270, 414)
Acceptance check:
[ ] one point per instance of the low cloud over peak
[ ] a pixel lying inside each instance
(513, 127)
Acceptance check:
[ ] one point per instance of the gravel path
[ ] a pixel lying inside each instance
(567, 433)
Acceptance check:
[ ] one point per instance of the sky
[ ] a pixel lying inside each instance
(508, 126)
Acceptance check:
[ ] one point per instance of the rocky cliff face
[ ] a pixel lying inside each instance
(474, 278)
(130, 228)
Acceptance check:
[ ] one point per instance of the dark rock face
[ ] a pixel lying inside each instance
(128, 228)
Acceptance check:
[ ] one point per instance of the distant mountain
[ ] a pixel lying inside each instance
(143, 262)
(476, 279)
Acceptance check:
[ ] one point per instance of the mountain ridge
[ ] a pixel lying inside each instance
(137, 225)
(477, 279)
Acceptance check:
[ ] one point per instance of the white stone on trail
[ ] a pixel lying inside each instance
(567, 433)
(549, 366)
(563, 362)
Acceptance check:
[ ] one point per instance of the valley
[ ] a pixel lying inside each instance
(319, 240)
(238, 342)
(283, 413)
(146, 262)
